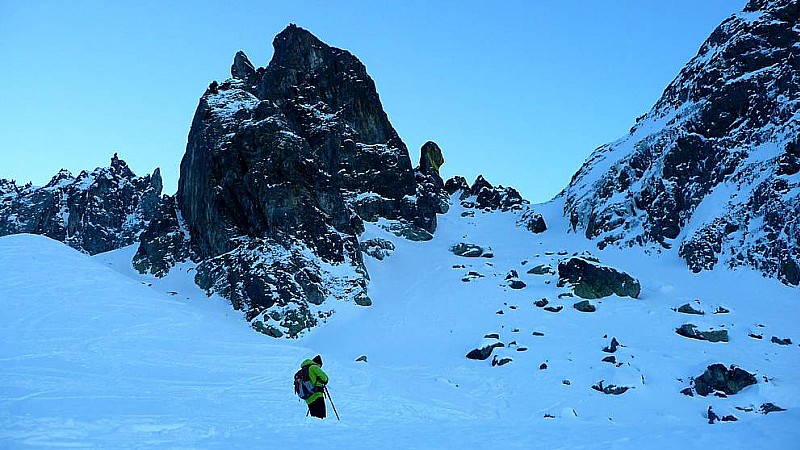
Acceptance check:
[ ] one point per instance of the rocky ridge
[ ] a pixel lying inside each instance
(94, 212)
(712, 169)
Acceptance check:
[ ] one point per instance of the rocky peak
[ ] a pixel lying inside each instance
(288, 161)
(242, 68)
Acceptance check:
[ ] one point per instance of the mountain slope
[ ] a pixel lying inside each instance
(712, 169)
(101, 359)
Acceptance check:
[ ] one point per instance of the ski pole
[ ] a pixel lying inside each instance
(332, 405)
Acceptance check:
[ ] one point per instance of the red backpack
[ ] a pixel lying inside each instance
(302, 383)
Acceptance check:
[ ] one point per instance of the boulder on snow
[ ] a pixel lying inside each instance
(590, 280)
(689, 330)
(610, 389)
(612, 347)
(687, 309)
(719, 378)
(769, 407)
(541, 303)
(779, 341)
(542, 269)
(584, 306)
(484, 352)
(467, 250)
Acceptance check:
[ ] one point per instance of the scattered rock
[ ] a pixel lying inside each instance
(543, 366)
(549, 416)
(512, 274)
(541, 303)
(565, 294)
(554, 309)
(537, 333)
(501, 361)
(756, 336)
(689, 330)
(729, 418)
(776, 340)
(721, 310)
(484, 352)
(688, 391)
(362, 358)
(610, 359)
(467, 250)
(500, 312)
(590, 280)
(711, 415)
(767, 408)
(565, 382)
(492, 336)
(377, 248)
(611, 348)
(516, 284)
(744, 409)
(719, 378)
(687, 309)
(584, 306)
(522, 349)
(610, 389)
(542, 269)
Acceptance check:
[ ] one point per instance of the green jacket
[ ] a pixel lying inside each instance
(318, 378)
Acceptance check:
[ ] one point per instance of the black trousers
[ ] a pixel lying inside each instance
(317, 408)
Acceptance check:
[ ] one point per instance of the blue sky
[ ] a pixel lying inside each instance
(520, 91)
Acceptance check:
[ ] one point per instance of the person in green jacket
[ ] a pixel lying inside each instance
(316, 402)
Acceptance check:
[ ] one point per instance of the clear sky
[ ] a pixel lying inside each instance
(520, 91)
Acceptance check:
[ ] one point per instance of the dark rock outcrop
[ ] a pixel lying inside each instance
(484, 352)
(590, 280)
(690, 331)
(288, 161)
(729, 118)
(584, 306)
(719, 378)
(95, 212)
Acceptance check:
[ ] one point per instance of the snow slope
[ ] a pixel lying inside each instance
(94, 355)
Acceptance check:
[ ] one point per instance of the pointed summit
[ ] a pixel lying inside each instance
(242, 68)
(297, 48)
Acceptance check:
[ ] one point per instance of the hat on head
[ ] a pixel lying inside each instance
(318, 359)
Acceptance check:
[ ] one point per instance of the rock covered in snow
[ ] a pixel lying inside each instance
(93, 212)
(712, 169)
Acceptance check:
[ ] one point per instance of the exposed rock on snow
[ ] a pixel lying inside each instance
(584, 306)
(484, 352)
(719, 378)
(590, 280)
(779, 341)
(688, 309)
(468, 250)
(689, 330)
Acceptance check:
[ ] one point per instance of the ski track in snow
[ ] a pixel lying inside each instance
(94, 355)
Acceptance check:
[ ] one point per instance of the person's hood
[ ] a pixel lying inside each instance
(307, 362)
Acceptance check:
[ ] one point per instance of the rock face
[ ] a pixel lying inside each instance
(712, 169)
(288, 161)
(94, 212)
(590, 280)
